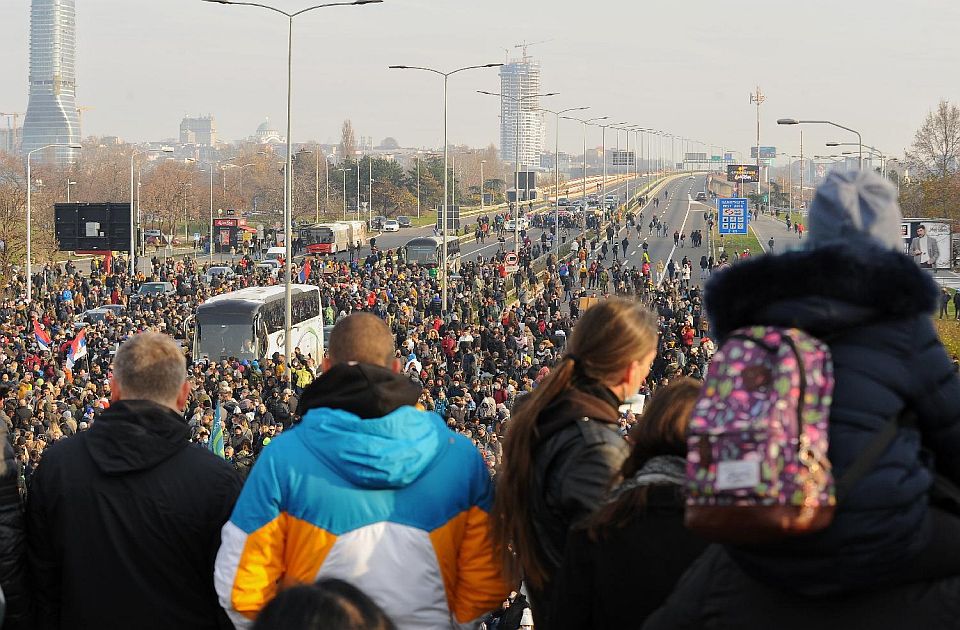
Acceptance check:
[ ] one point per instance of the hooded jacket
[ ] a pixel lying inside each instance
(124, 523)
(369, 489)
(873, 307)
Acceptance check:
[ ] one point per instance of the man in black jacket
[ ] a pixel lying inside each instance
(124, 519)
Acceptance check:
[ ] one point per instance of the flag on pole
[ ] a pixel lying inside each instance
(216, 434)
(77, 349)
(41, 335)
(305, 271)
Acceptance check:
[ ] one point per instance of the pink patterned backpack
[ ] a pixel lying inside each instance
(757, 467)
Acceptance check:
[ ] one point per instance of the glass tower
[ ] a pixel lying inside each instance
(52, 112)
(520, 85)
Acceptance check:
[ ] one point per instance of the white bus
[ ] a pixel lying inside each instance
(249, 323)
(426, 252)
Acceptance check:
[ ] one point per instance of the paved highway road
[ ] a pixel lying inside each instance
(470, 250)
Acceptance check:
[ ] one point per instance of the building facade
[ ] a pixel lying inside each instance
(52, 116)
(201, 130)
(520, 85)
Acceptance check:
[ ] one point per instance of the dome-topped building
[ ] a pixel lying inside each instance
(266, 134)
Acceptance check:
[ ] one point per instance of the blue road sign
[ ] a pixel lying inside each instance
(733, 216)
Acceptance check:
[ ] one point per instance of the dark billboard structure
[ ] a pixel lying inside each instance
(743, 173)
(92, 227)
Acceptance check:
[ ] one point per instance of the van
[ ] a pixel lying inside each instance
(275, 253)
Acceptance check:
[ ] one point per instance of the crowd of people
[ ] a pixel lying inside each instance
(512, 370)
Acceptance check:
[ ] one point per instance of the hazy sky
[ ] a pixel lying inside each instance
(686, 67)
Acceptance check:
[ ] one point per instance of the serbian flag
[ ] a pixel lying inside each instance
(77, 349)
(305, 271)
(42, 336)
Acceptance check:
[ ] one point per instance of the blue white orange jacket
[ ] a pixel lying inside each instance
(397, 505)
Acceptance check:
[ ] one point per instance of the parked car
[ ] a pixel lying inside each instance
(275, 253)
(156, 288)
(225, 273)
(404, 221)
(390, 225)
(376, 223)
(510, 225)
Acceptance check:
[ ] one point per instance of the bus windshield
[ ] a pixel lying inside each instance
(425, 254)
(219, 341)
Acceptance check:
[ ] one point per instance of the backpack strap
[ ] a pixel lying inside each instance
(867, 459)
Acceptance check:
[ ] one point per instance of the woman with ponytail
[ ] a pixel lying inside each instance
(562, 449)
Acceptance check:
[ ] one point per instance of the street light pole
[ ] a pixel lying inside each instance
(482, 162)
(288, 175)
(132, 263)
(794, 121)
(29, 215)
(443, 208)
(418, 184)
(583, 182)
(556, 171)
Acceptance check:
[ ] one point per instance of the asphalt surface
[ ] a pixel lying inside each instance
(679, 211)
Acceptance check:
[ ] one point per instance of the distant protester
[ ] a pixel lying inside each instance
(562, 448)
(853, 289)
(623, 562)
(329, 604)
(366, 488)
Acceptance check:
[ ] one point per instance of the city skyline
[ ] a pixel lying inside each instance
(671, 72)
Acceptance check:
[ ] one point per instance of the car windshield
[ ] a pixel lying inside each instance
(422, 254)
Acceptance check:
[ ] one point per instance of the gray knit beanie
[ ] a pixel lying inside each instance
(855, 208)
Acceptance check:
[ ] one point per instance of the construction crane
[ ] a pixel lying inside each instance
(80, 110)
(524, 45)
(12, 130)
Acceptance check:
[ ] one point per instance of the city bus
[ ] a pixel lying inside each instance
(326, 238)
(249, 323)
(426, 252)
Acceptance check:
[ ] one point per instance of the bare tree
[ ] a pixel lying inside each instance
(348, 141)
(935, 151)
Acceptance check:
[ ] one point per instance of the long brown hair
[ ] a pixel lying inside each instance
(661, 430)
(608, 337)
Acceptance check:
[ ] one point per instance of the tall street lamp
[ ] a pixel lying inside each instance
(516, 186)
(288, 174)
(133, 227)
(556, 170)
(794, 121)
(583, 182)
(874, 151)
(603, 144)
(29, 188)
(443, 208)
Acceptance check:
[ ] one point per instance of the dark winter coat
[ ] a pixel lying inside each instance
(715, 594)
(620, 579)
(124, 524)
(873, 307)
(577, 454)
(13, 560)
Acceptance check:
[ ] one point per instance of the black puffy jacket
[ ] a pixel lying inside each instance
(124, 524)
(13, 556)
(715, 594)
(873, 307)
(577, 454)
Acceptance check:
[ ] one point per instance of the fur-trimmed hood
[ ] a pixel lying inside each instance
(820, 290)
